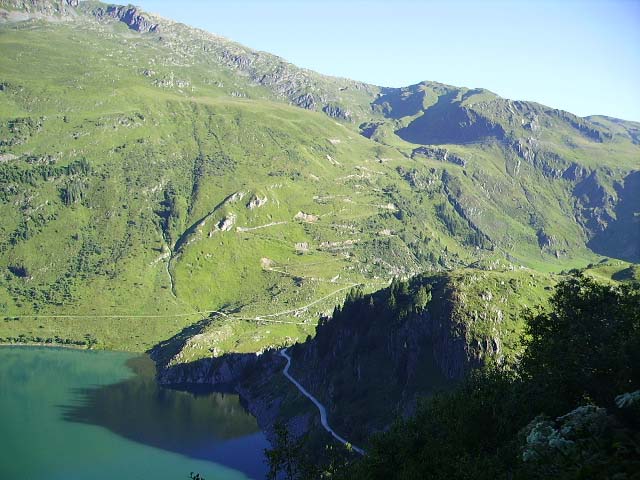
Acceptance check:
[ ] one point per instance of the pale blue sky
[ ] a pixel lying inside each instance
(581, 56)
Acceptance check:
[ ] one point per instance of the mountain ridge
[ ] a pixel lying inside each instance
(117, 158)
(142, 22)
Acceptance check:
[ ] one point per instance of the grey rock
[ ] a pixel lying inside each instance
(544, 240)
(437, 153)
(306, 100)
(575, 172)
(130, 16)
(336, 111)
(594, 203)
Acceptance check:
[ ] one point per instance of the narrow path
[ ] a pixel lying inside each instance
(250, 229)
(172, 283)
(321, 408)
(304, 307)
(173, 315)
(261, 318)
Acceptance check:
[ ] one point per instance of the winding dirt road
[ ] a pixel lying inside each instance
(316, 402)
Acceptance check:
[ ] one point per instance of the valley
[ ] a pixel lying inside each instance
(169, 191)
(137, 181)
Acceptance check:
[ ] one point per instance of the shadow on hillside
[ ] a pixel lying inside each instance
(398, 103)
(621, 238)
(369, 363)
(165, 350)
(447, 122)
(629, 274)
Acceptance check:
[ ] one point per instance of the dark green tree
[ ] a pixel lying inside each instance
(285, 456)
(586, 348)
(422, 298)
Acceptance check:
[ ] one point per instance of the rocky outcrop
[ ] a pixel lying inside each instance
(306, 100)
(227, 223)
(436, 153)
(254, 378)
(130, 16)
(594, 203)
(620, 238)
(544, 240)
(550, 164)
(221, 372)
(575, 172)
(256, 202)
(336, 111)
(306, 217)
(268, 404)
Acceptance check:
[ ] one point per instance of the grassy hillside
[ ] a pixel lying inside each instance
(155, 177)
(114, 202)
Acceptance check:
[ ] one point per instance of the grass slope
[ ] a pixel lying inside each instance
(150, 180)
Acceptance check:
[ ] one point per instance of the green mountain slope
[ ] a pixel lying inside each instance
(153, 176)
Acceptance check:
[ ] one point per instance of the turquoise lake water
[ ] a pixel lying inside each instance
(73, 414)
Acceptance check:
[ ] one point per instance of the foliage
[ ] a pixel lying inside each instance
(587, 347)
(72, 192)
(584, 443)
(172, 214)
(292, 458)
(284, 457)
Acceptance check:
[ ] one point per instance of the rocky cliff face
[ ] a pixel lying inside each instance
(376, 356)
(130, 16)
(368, 364)
(616, 224)
(258, 380)
(441, 154)
(133, 17)
(594, 201)
(222, 372)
